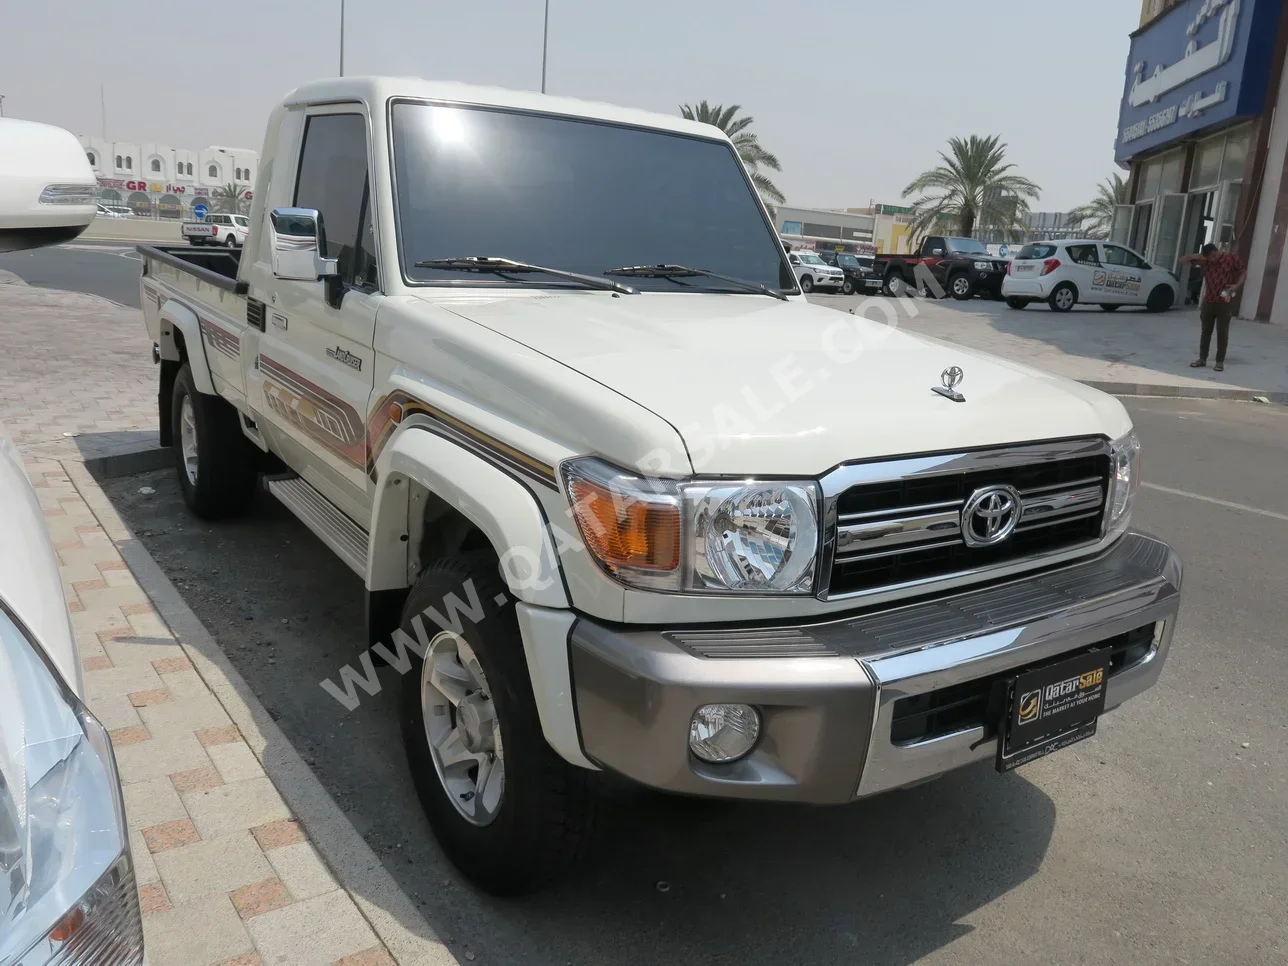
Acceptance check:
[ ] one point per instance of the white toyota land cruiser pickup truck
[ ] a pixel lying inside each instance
(538, 370)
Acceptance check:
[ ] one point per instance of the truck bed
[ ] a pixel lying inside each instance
(219, 267)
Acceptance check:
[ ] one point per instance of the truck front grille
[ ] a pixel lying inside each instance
(908, 527)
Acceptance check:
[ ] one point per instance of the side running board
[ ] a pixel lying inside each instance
(337, 531)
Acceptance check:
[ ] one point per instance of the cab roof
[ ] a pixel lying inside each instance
(378, 90)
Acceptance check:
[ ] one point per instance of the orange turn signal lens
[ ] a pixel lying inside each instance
(624, 530)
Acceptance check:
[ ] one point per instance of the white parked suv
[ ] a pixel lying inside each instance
(1066, 273)
(814, 273)
(620, 498)
(217, 229)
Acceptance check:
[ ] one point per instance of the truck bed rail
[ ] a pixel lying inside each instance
(217, 268)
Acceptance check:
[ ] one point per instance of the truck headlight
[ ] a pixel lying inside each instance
(983, 266)
(1124, 480)
(67, 890)
(68, 194)
(707, 537)
(756, 538)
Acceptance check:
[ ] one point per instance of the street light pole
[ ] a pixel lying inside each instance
(545, 37)
(341, 38)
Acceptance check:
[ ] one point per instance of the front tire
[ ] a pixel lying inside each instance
(216, 463)
(961, 287)
(1160, 300)
(1063, 298)
(847, 287)
(1015, 302)
(230, 241)
(807, 284)
(506, 809)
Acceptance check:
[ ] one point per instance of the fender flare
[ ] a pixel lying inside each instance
(176, 315)
(491, 498)
(510, 515)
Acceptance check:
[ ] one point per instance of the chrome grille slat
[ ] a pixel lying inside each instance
(882, 525)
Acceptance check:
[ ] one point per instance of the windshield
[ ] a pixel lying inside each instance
(967, 245)
(809, 258)
(849, 261)
(577, 195)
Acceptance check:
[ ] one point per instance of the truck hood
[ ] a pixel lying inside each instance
(758, 386)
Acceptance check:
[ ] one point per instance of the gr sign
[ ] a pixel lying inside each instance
(1202, 63)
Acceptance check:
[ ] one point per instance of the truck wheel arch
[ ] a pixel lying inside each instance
(424, 480)
(181, 342)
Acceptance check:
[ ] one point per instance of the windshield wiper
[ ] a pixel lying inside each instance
(505, 266)
(683, 271)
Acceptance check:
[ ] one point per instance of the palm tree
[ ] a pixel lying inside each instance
(745, 142)
(973, 188)
(231, 199)
(1097, 216)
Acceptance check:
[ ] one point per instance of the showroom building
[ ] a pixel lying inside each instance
(160, 181)
(1199, 134)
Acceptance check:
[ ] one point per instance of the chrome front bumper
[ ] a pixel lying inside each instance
(827, 692)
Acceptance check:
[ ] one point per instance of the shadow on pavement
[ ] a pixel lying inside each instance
(885, 881)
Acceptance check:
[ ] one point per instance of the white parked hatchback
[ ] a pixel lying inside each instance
(812, 272)
(1066, 273)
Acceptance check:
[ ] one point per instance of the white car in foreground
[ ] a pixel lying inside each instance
(67, 891)
(47, 190)
(1066, 273)
(812, 272)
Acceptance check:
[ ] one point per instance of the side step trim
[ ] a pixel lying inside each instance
(337, 531)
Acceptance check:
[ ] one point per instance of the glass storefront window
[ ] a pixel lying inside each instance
(1150, 179)
(1207, 169)
(1171, 176)
(1236, 153)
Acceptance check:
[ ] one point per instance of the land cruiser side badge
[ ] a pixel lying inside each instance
(951, 379)
(345, 356)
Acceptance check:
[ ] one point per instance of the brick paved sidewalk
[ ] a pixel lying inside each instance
(226, 875)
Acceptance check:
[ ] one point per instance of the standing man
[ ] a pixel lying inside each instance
(1223, 275)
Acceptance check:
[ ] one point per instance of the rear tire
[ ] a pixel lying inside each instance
(961, 288)
(1063, 298)
(1110, 306)
(539, 822)
(895, 285)
(1016, 302)
(1160, 300)
(807, 284)
(216, 463)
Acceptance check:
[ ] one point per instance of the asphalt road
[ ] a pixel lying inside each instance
(100, 268)
(1164, 839)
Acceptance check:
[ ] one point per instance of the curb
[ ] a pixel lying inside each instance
(1186, 392)
(388, 910)
(141, 460)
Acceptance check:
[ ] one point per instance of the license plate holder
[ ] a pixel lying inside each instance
(1051, 708)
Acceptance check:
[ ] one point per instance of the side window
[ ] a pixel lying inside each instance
(794, 259)
(1117, 255)
(1084, 255)
(333, 179)
(933, 243)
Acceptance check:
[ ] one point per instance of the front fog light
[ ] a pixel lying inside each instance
(721, 733)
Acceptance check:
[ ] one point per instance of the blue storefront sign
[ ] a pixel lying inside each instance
(1202, 63)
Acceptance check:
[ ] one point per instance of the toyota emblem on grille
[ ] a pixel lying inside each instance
(991, 515)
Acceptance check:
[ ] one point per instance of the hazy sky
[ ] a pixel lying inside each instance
(854, 97)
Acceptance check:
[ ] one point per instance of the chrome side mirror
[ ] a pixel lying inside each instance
(298, 242)
(936, 251)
